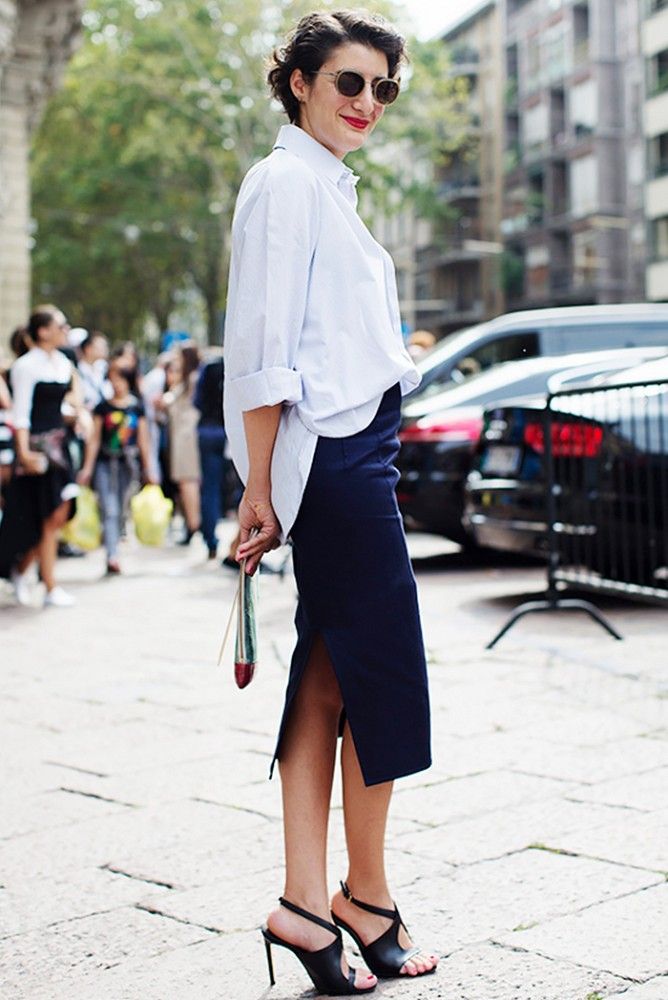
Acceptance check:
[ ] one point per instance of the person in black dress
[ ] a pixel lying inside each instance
(315, 369)
(40, 496)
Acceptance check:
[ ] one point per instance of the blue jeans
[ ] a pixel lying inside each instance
(112, 481)
(212, 460)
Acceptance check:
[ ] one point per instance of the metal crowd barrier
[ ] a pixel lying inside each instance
(606, 466)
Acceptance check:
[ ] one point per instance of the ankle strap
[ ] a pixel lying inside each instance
(309, 916)
(380, 911)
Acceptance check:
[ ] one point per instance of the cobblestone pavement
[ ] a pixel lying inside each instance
(141, 843)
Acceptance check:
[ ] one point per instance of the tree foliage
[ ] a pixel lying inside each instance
(139, 157)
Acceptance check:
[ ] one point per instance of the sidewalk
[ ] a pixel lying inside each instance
(140, 842)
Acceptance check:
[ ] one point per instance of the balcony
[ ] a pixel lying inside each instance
(657, 281)
(465, 61)
(457, 188)
(656, 197)
(656, 114)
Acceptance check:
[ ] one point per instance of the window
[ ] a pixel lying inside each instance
(536, 125)
(659, 239)
(509, 347)
(584, 185)
(583, 107)
(603, 336)
(556, 61)
(585, 258)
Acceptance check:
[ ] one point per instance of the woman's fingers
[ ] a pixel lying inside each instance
(259, 531)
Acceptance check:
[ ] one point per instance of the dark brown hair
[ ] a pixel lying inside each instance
(314, 39)
(190, 361)
(41, 317)
(20, 342)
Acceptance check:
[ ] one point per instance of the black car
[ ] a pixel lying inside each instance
(611, 474)
(439, 433)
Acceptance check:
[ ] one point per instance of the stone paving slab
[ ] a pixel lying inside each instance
(96, 942)
(461, 798)
(586, 765)
(633, 839)
(502, 831)
(646, 792)
(476, 902)
(627, 937)
(66, 896)
(57, 807)
(653, 989)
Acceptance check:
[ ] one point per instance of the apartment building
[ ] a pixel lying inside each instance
(655, 52)
(457, 262)
(572, 222)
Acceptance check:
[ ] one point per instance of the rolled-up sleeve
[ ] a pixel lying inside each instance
(273, 240)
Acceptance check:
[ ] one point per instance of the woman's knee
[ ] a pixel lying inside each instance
(319, 682)
(58, 518)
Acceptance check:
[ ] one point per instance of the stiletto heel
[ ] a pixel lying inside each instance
(384, 956)
(324, 965)
(270, 964)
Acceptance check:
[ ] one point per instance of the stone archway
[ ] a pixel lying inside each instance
(37, 38)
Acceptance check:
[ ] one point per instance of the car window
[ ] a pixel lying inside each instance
(479, 358)
(509, 347)
(592, 336)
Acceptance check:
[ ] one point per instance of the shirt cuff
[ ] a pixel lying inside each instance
(268, 387)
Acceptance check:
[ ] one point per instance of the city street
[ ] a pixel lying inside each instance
(140, 840)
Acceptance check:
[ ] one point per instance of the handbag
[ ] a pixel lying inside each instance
(245, 647)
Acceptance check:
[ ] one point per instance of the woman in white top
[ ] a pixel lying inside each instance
(40, 495)
(315, 369)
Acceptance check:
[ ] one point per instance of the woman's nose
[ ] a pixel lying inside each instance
(365, 102)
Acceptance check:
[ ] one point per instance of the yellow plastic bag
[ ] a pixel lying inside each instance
(84, 530)
(151, 512)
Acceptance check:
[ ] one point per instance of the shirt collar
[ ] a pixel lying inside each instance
(300, 143)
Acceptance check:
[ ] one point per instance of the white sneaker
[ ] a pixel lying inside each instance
(59, 598)
(22, 588)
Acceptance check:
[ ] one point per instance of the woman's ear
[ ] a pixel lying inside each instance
(298, 84)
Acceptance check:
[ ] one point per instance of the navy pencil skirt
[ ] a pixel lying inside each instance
(356, 588)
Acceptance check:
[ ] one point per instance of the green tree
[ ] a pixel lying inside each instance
(140, 155)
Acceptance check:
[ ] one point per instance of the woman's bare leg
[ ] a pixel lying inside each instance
(308, 754)
(365, 811)
(48, 546)
(190, 501)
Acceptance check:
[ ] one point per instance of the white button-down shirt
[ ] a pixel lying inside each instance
(312, 312)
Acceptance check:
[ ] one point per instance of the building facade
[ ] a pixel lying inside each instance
(655, 52)
(573, 220)
(36, 39)
(462, 262)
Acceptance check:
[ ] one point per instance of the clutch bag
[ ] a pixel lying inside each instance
(244, 613)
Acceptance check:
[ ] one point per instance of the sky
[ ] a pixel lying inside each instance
(432, 16)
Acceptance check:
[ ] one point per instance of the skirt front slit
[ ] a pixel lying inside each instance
(356, 588)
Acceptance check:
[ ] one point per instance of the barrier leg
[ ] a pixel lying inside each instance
(553, 603)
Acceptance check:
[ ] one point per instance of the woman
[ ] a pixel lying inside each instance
(39, 497)
(118, 442)
(315, 368)
(184, 463)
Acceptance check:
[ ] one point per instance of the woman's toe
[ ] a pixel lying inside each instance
(364, 979)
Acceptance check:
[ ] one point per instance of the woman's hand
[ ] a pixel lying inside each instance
(84, 477)
(34, 463)
(256, 512)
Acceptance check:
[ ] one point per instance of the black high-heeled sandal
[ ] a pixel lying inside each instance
(324, 965)
(384, 956)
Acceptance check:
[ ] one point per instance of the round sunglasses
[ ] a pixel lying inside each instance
(350, 83)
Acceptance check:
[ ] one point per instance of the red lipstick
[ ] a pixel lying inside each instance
(359, 123)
